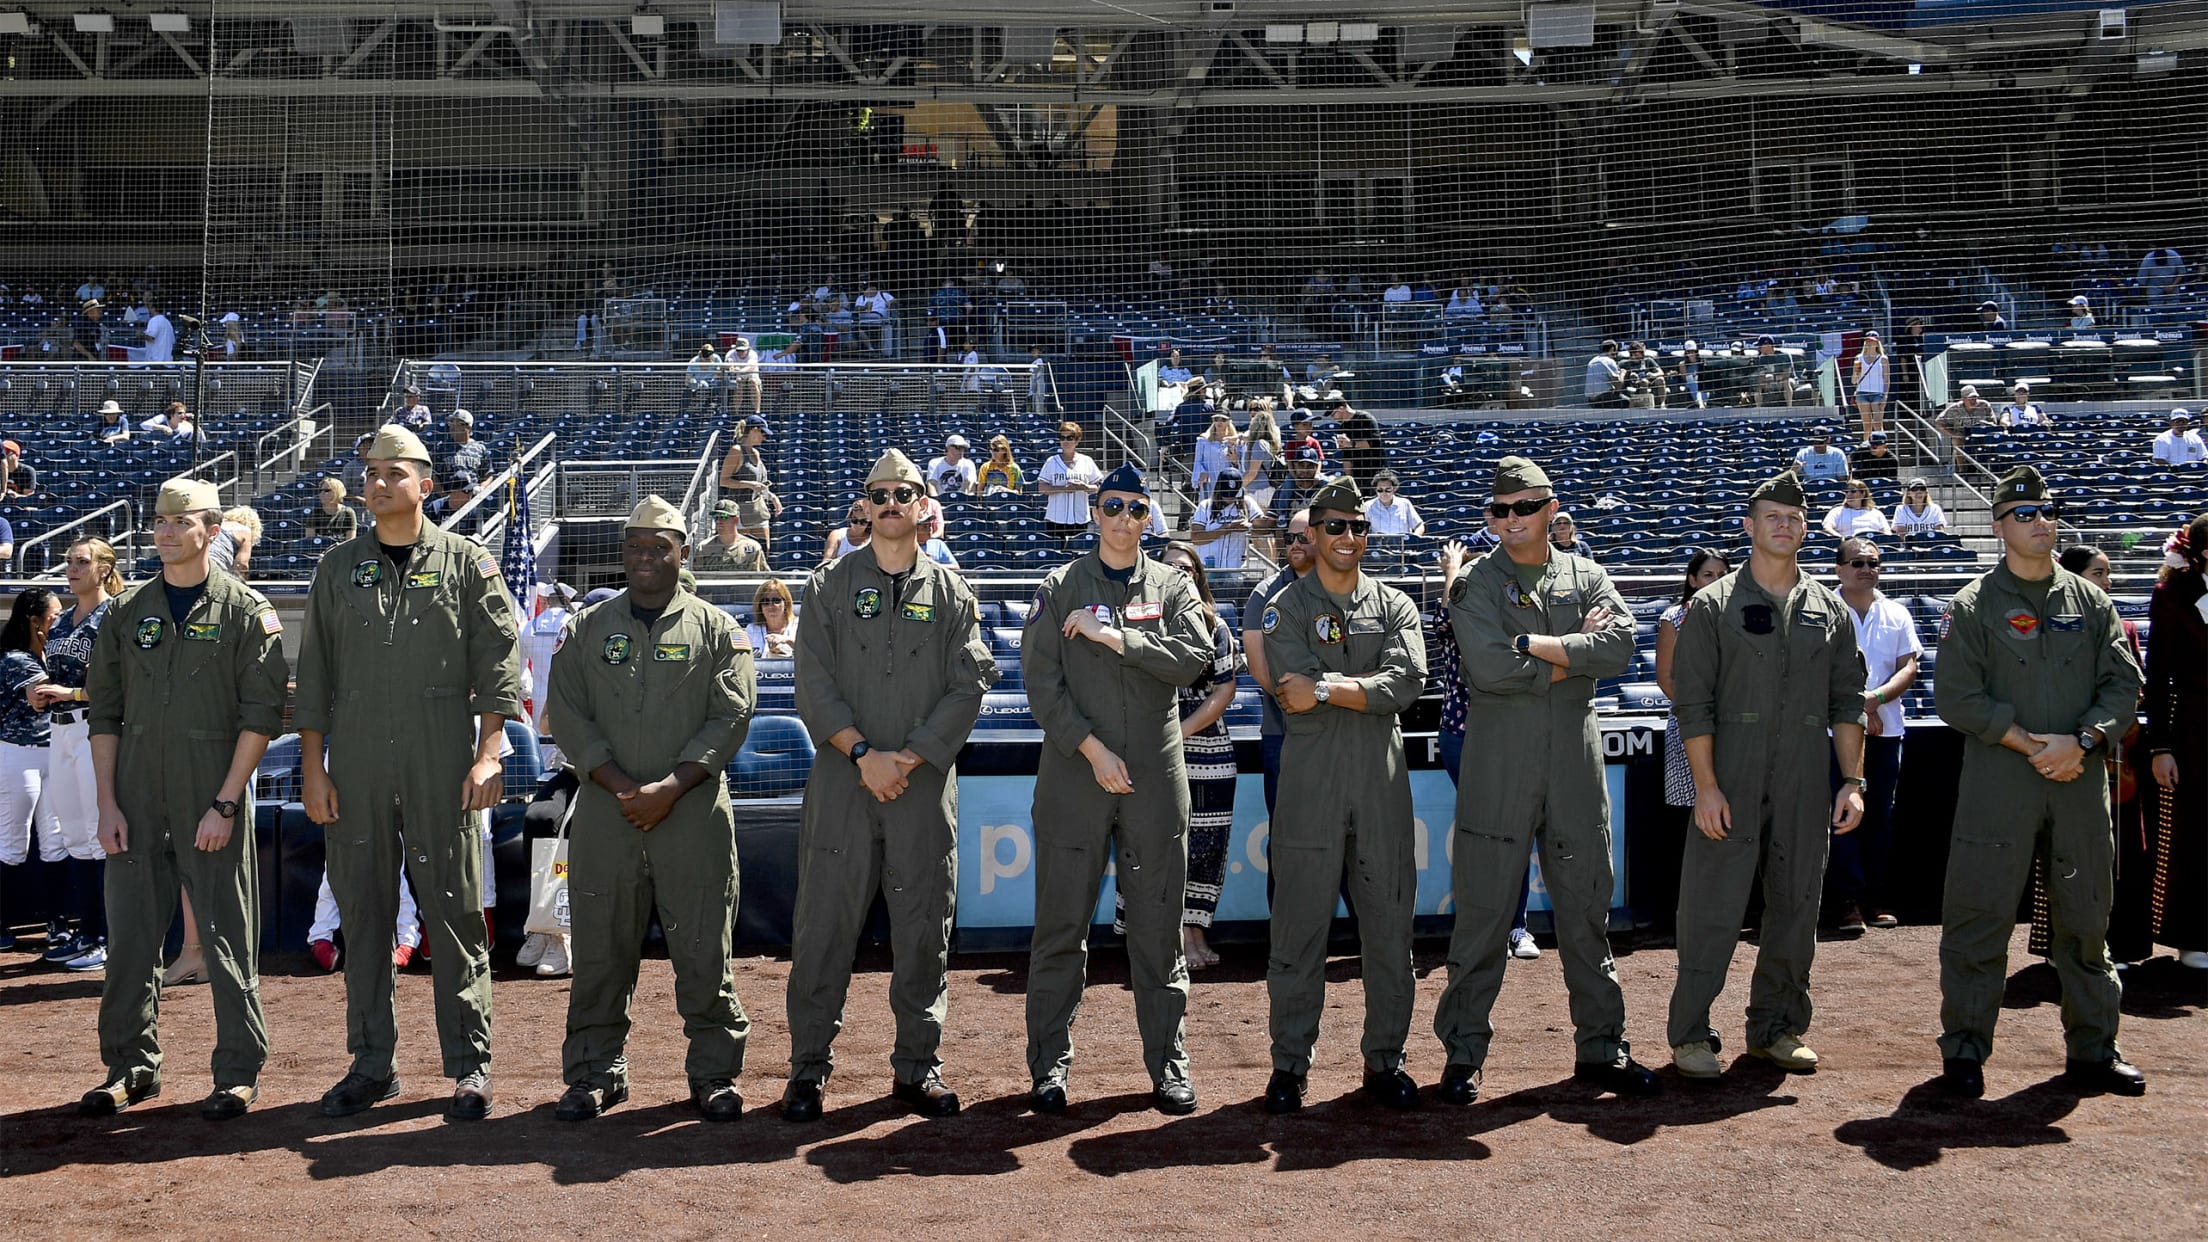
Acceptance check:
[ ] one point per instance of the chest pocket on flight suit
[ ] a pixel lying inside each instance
(1809, 668)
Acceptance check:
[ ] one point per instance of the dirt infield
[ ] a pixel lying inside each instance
(1864, 1149)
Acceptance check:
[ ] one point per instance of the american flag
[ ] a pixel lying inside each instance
(519, 560)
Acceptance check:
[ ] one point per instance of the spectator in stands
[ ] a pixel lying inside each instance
(457, 489)
(1041, 386)
(952, 474)
(1397, 290)
(2021, 411)
(414, 415)
(1957, 417)
(1321, 382)
(1820, 461)
(872, 313)
(1662, 875)
(1918, 515)
(2177, 719)
(1220, 527)
(1873, 375)
(91, 290)
(1856, 875)
(1990, 318)
(1564, 536)
(1215, 451)
(856, 532)
(1067, 480)
(1875, 460)
(741, 368)
(232, 347)
(1464, 303)
(26, 729)
(1855, 514)
(1000, 475)
(1208, 753)
(744, 479)
(158, 334)
(110, 427)
(231, 548)
(2159, 269)
(7, 553)
(1389, 513)
(1688, 375)
(332, 519)
(704, 375)
(729, 550)
(1360, 444)
(1302, 434)
(1605, 386)
(1257, 453)
(54, 343)
(463, 452)
(87, 333)
(948, 304)
(1644, 387)
(2081, 314)
(1775, 380)
(1318, 299)
(773, 628)
(2180, 445)
(16, 479)
(935, 342)
(927, 525)
(1304, 479)
(177, 422)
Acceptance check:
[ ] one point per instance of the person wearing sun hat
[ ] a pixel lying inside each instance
(2036, 675)
(1768, 690)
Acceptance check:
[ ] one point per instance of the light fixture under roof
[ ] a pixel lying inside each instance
(170, 23)
(95, 23)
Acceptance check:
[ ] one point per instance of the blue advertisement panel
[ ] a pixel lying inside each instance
(996, 850)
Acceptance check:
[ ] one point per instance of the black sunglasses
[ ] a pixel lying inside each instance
(905, 494)
(2032, 513)
(1863, 563)
(1523, 508)
(1136, 509)
(1355, 526)
(1297, 538)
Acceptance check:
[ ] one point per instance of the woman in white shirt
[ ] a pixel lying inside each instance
(1871, 368)
(1068, 479)
(1220, 527)
(1388, 512)
(1918, 514)
(773, 628)
(1855, 514)
(856, 532)
(1214, 453)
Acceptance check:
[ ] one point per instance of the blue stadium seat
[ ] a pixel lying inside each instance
(774, 761)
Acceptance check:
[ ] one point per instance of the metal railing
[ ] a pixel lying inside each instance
(268, 467)
(610, 489)
(47, 542)
(705, 487)
(493, 491)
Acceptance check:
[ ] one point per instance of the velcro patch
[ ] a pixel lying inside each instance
(671, 653)
(1272, 620)
(485, 566)
(1817, 619)
(424, 578)
(203, 631)
(2023, 623)
(917, 612)
(1145, 610)
(2067, 623)
(270, 624)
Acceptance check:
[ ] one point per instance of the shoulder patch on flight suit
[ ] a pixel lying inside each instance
(203, 631)
(1756, 618)
(485, 566)
(424, 578)
(1146, 610)
(2067, 623)
(271, 623)
(149, 633)
(671, 653)
(616, 650)
(867, 603)
(917, 612)
(367, 573)
(1272, 619)
(1328, 627)
(2023, 623)
(1947, 622)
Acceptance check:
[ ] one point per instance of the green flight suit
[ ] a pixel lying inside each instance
(175, 698)
(2052, 660)
(647, 699)
(1130, 702)
(1767, 678)
(907, 670)
(1345, 800)
(394, 666)
(745, 556)
(1533, 772)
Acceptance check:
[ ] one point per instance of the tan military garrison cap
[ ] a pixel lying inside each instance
(895, 467)
(187, 495)
(653, 513)
(1518, 474)
(396, 443)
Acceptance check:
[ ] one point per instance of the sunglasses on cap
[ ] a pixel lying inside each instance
(1521, 508)
(1863, 562)
(903, 493)
(1136, 509)
(2033, 513)
(1355, 526)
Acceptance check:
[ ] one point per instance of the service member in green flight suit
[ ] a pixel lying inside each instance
(1347, 653)
(1536, 627)
(1112, 638)
(891, 668)
(187, 688)
(1769, 690)
(408, 669)
(2035, 672)
(651, 694)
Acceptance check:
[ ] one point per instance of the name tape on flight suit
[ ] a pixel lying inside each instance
(670, 653)
(203, 631)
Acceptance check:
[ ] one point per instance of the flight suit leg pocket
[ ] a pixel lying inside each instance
(1978, 871)
(1484, 869)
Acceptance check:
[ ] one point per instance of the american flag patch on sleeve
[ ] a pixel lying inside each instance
(485, 566)
(270, 624)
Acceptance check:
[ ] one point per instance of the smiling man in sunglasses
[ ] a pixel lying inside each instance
(1112, 638)
(2035, 673)
(891, 668)
(1346, 653)
(1536, 628)
(1768, 689)
(1857, 874)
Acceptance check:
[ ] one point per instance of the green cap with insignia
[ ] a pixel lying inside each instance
(1519, 474)
(396, 443)
(2019, 486)
(1782, 488)
(653, 513)
(183, 494)
(688, 580)
(894, 467)
(1340, 496)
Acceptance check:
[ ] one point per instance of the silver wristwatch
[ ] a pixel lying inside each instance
(1323, 691)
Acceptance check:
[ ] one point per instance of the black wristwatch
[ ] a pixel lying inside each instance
(2088, 739)
(860, 750)
(1522, 643)
(228, 810)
